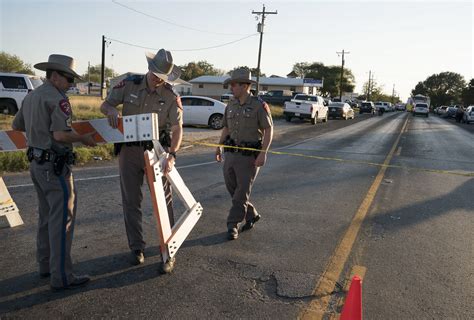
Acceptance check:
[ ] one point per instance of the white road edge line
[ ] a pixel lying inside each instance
(111, 176)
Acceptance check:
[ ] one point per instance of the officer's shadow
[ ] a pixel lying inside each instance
(206, 241)
(96, 268)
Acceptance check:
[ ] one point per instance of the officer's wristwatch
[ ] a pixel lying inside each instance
(173, 154)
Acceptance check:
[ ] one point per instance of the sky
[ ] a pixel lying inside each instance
(401, 42)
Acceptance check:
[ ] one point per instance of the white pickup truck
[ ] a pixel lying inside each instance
(305, 106)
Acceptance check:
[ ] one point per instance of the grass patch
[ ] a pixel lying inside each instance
(86, 107)
(16, 161)
(277, 111)
(86, 154)
(13, 161)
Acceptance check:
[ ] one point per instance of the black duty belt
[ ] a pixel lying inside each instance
(41, 156)
(145, 144)
(242, 148)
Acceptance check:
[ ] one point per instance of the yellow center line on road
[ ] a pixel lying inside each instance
(327, 282)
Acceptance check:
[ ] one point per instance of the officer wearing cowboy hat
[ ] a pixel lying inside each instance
(46, 116)
(247, 124)
(139, 94)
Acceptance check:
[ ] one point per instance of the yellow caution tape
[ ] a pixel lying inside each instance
(375, 164)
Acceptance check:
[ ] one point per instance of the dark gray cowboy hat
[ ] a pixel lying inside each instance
(240, 75)
(59, 62)
(161, 65)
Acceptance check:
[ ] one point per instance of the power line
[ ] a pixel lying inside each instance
(173, 23)
(195, 49)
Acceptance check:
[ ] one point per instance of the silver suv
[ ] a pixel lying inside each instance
(13, 89)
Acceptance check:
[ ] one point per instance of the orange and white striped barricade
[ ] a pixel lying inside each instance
(171, 237)
(131, 128)
(8, 207)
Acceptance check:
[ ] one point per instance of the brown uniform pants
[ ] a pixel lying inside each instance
(239, 176)
(132, 170)
(57, 213)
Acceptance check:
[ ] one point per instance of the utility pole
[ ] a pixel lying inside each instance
(367, 97)
(88, 77)
(371, 84)
(260, 30)
(393, 92)
(102, 71)
(342, 72)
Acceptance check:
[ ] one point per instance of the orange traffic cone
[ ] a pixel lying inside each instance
(353, 307)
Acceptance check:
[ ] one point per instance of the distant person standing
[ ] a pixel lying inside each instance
(247, 124)
(459, 114)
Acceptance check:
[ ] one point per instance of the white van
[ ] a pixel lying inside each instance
(13, 89)
(387, 106)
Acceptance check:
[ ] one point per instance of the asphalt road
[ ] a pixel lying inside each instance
(414, 242)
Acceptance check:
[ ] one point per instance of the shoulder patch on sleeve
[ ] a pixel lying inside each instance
(65, 107)
(119, 85)
(267, 108)
(265, 105)
(171, 88)
(178, 102)
(136, 78)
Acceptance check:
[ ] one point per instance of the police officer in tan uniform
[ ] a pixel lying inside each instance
(146, 94)
(247, 124)
(46, 116)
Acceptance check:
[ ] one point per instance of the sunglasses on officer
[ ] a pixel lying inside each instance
(69, 78)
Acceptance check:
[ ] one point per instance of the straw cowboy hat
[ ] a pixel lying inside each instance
(240, 75)
(161, 65)
(59, 62)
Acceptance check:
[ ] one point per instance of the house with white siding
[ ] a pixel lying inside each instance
(213, 86)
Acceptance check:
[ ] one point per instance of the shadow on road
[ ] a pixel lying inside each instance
(459, 198)
(118, 265)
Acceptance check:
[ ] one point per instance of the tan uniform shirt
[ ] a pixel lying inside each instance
(44, 111)
(137, 99)
(246, 122)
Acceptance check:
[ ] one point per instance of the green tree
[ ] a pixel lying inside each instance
(376, 93)
(301, 68)
(468, 94)
(95, 73)
(330, 74)
(196, 69)
(442, 88)
(13, 63)
(419, 89)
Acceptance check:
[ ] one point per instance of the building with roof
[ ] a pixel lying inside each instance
(213, 86)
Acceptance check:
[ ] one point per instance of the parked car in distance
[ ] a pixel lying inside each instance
(400, 107)
(203, 111)
(13, 89)
(305, 106)
(73, 90)
(450, 112)
(341, 110)
(421, 109)
(441, 110)
(226, 97)
(387, 106)
(278, 97)
(367, 107)
(468, 115)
